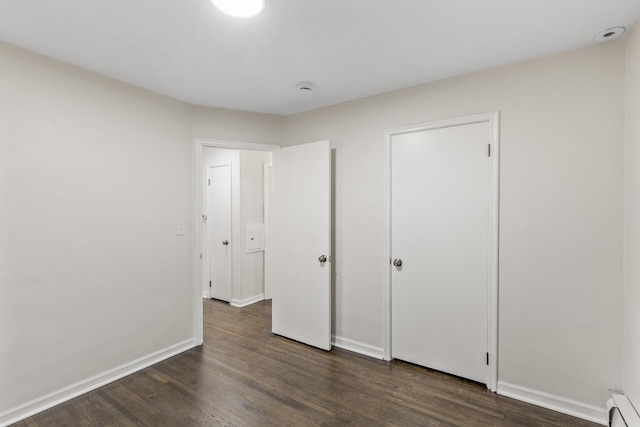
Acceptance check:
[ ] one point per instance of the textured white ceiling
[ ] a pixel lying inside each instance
(348, 49)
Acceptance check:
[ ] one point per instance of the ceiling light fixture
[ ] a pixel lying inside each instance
(241, 8)
(610, 34)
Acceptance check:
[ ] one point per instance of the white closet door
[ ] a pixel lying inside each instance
(219, 231)
(440, 232)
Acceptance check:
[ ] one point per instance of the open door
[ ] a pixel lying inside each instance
(301, 241)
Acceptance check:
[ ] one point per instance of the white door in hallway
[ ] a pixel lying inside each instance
(440, 245)
(218, 234)
(300, 242)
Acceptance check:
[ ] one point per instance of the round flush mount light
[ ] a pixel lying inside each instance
(609, 34)
(241, 8)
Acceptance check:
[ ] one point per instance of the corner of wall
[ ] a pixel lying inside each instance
(631, 291)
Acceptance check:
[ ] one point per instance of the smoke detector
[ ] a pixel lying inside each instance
(305, 87)
(610, 34)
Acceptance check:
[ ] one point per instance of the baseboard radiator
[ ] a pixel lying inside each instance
(621, 411)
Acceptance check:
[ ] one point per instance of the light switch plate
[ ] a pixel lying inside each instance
(180, 228)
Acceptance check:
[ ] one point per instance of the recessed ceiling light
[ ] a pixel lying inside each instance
(240, 8)
(609, 34)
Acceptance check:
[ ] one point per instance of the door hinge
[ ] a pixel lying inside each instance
(209, 182)
(487, 359)
(210, 286)
(489, 150)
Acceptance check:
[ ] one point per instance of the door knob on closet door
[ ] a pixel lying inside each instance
(397, 262)
(322, 258)
(225, 242)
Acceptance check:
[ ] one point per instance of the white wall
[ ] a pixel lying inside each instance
(94, 175)
(229, 125)
(561, 211)
(250, 281)
(632, 222)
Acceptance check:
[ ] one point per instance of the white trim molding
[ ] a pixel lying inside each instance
(81, 387)
(247, 301)
(357, 347)
(236, 145)
(493, 119)
(628, 413)
(555, 403)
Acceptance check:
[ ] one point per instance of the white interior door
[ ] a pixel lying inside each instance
(300, 237)
(440, 231)
(219, 231)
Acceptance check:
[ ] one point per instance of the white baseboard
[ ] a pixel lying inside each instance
(205, 295)
(57, 397)
(555, 403)
(357, 347)
(247, 301)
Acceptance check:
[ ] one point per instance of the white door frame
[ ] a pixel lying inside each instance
(493, 118)
(198, 145)
(267, 173)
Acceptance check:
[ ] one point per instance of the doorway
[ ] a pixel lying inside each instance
(300, 173)
(233, 224)
(442, 233)
(199, 247)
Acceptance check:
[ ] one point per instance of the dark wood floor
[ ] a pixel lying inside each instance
(245, 376)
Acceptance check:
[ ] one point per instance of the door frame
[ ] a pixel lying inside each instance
(267, 173)
(197, 241)
(493, 119)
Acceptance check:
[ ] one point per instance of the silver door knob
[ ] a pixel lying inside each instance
(225, 242)
(397, 262)
(323, 258)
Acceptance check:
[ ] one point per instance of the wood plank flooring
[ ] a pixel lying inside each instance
(245, 376)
